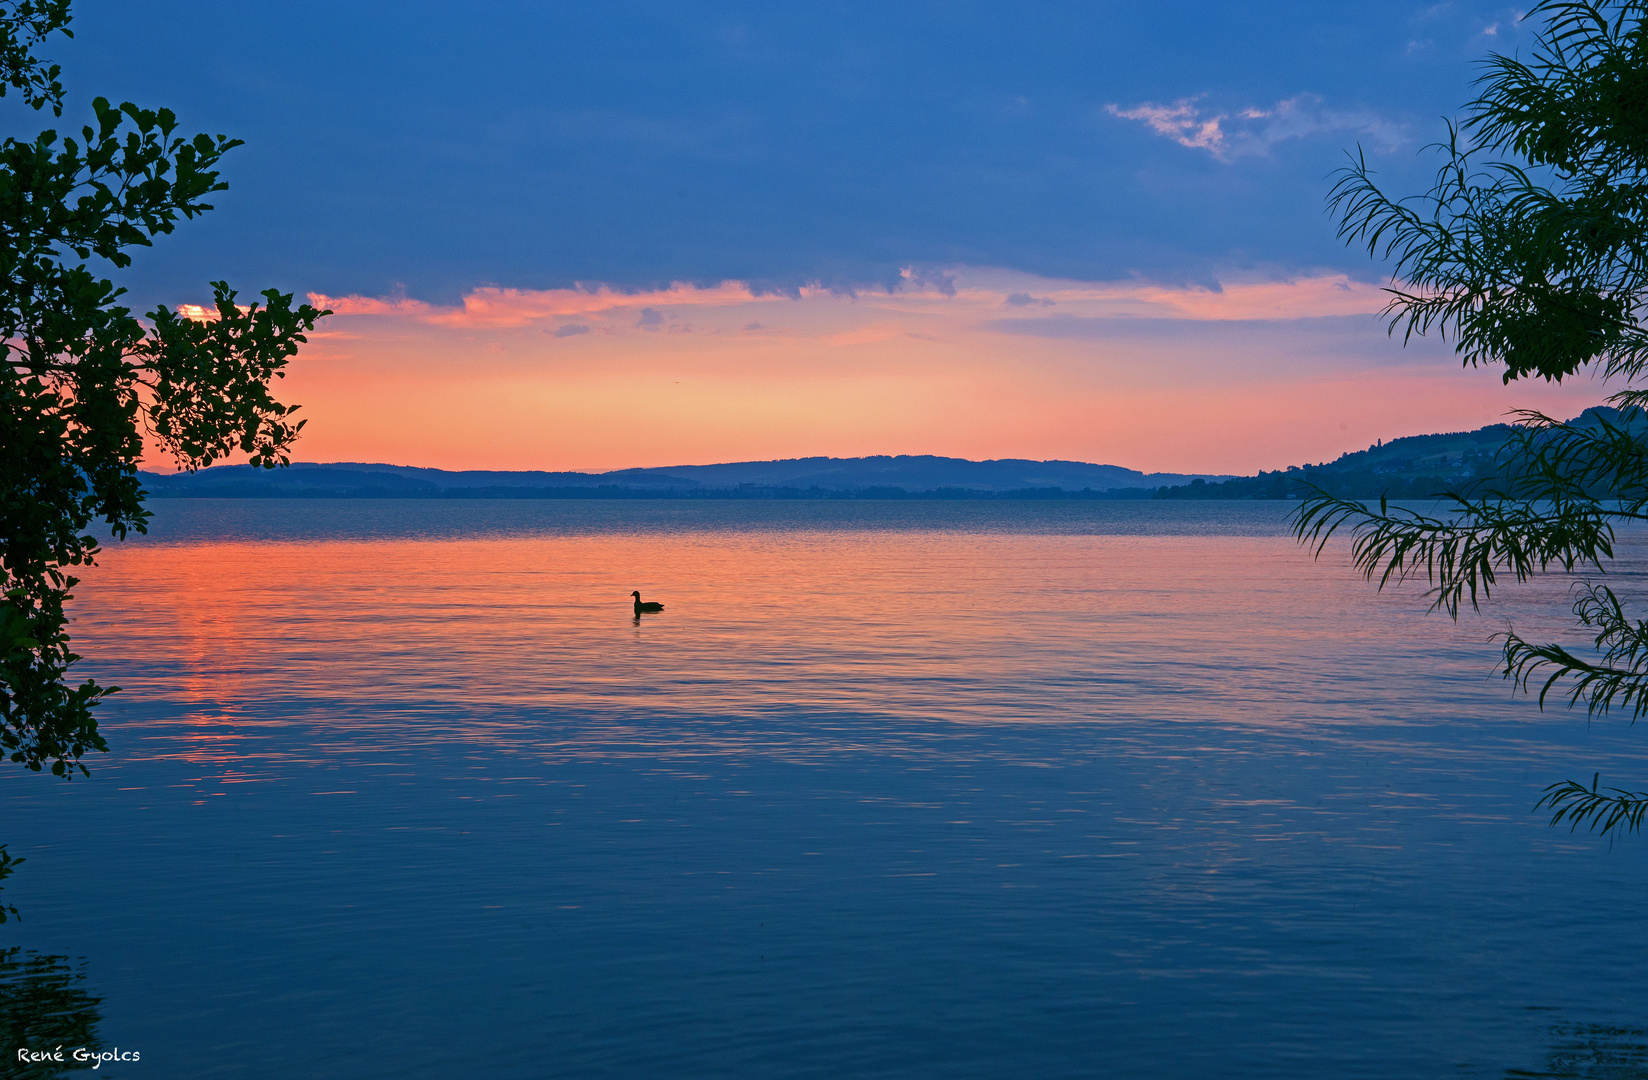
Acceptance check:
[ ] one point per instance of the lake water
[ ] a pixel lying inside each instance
(1133, 789)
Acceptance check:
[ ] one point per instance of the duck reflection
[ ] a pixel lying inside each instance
(43, 1006)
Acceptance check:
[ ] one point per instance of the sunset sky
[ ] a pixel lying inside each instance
(596, 236)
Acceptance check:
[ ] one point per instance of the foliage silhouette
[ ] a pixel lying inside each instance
(1536, 260)
(84, 382)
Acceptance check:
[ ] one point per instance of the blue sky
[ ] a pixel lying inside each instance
(438, 147)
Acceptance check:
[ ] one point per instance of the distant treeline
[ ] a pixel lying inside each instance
(1289, 484)
(1416, 467)
(1292, 483)
(615, 491)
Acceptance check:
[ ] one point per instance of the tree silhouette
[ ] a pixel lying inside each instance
(84, 382)
(1531, 251)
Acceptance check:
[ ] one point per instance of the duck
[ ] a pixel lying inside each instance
(650, 605)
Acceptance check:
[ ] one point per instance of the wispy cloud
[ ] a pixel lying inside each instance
(1181, 121)
(947, 295)
(929, 279)
(1251, 131)
(495, 308)
(1504, 28)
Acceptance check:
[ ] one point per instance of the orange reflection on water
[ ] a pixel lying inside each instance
(492, 638)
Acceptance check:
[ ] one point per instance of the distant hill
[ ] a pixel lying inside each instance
(820, 477)
(1416, 467)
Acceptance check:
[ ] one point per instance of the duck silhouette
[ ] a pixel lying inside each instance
(650, 605)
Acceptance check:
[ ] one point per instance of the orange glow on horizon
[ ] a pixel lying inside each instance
(1254, 375)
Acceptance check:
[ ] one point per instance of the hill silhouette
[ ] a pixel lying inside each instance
(886, 476)
(1416, 466)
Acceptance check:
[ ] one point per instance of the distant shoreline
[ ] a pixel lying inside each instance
(251, 491)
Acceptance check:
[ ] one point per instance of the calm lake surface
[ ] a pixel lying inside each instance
(401, 789)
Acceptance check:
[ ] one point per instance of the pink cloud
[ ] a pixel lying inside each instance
(1251, 131)
(1181, 121)
(495, 308)
(958, 294)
